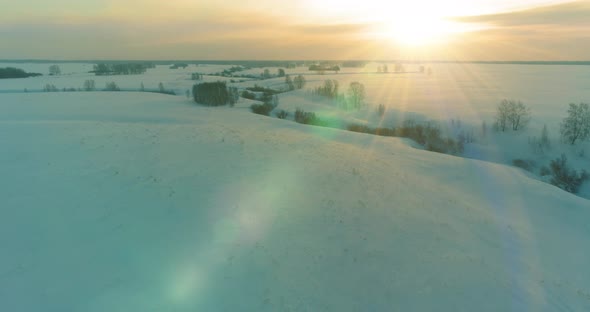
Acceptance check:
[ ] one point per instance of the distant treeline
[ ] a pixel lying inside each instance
(121, 68)
(12, 72)
(291, 63)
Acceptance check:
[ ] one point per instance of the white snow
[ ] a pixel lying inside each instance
(145, 202)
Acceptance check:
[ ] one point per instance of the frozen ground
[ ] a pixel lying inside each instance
(146, 202)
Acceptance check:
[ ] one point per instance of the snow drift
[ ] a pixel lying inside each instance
(145, 202)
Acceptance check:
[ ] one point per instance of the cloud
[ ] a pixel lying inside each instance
(193, 30)
(569, 13)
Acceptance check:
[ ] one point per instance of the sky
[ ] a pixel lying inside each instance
(493, 30)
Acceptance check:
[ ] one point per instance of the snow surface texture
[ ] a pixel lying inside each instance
(146, 202)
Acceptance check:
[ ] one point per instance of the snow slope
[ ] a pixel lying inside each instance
(146, 202)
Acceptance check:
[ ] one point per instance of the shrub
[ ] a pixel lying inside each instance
(111, 86)
(525, 164)
(304, 117)
(282, 114)
(257, 88)
(360, 128)
(50, 88)
(248, 95)
(544, 171)
(565, 177)
(262, 109)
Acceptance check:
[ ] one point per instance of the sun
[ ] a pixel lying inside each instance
(413, 23)
(413, 31)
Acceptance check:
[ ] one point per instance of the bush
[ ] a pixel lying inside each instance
(428, 135)
(564, 177)
(303, 117)
(50, 88)
(262, 109)
(544, 171)
(196, 76)
(525, 164)
(248, 95)
(258, 88)
(282, 114)
(111, 86)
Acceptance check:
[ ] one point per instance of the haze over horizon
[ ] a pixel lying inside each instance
(536, 30)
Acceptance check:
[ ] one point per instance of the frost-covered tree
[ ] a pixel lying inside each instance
(281, 72)
(512, 114)
(576, 126)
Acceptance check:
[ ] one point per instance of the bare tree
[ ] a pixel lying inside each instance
(289, 82)
(356, 93)
(512, 114)
(545, 137)
(299, 82)
(89, 85)
(576, 126)
(54, 70)
(234, 95)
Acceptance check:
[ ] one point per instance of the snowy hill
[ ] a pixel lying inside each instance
(146, 202)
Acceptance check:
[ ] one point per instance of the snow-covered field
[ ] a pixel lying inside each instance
(134, 201)
(455, 94)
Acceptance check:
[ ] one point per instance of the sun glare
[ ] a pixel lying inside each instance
(413, 31)
(403, 22)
